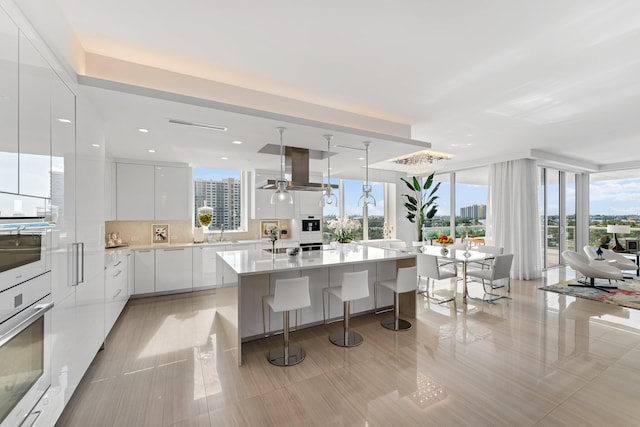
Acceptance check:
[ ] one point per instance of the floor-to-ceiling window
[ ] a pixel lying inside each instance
(471, 202)
(614, 198)
(441, 223)
(557, 214)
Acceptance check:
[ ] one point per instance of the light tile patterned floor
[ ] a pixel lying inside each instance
(539, 359)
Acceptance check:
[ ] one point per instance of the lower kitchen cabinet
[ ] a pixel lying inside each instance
(174, 269)
(145, 270)
(115, 286)
(204, 266)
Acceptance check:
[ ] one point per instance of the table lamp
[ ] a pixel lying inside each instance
(615, 230)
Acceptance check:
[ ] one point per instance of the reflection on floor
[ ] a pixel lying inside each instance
(538, 359)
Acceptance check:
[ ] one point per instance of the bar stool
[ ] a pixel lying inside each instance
(406, 280)
(354, 286)
(289, 294)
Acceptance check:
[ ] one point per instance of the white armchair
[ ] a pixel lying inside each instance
(591, 269)
(611, 258)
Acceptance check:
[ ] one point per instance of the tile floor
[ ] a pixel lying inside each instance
(539, 359)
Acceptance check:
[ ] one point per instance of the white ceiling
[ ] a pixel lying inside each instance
(480, 80)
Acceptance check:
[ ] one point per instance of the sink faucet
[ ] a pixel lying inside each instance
(221, 232)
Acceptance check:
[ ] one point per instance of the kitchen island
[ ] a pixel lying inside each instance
(247, 275)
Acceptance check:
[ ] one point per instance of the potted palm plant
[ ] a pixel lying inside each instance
(421, 206)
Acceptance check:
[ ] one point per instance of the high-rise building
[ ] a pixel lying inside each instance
(223, 196)
(474, 212)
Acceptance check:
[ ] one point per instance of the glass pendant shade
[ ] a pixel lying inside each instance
(366, 198)
(281, 196)
(328, 198)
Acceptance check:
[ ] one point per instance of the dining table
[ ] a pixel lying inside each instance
(457, 256)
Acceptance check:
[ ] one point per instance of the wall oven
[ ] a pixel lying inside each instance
(25, 349)
(311, 224)
(23, 250)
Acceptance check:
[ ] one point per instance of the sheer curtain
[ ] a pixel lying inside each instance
(513, 220)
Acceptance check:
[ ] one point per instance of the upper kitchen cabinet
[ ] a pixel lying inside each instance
(9, 42)
(147, 192)
(308, 203)
(36, 78)
(173, 198)
(135, 193)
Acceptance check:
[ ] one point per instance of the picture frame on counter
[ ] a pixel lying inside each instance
(267, 225)
(159, 233)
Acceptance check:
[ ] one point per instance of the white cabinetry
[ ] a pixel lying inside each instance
(145, 270)
(308, 203)
(134, 192)
(153, 192)
(8, 105)
(130, 273)
(204, 266)
(173, 200)
(115, 287)
(174, 269)
(34, 121)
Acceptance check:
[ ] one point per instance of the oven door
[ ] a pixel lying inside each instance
(22, 253)
(310, 225)
(25, 354)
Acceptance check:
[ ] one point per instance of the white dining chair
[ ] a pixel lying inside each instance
(429, 269)
(499, 269)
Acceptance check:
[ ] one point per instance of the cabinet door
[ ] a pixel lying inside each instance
(144, 272)
(174, 269)
(135, 192)
(9, 40)
(130, 274)
(262, 207)
(204, 266)
(34, 121)
(286, 211)
(308, 203)
(173, 189)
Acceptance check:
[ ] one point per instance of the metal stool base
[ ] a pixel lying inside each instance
(402, 325)
(276, 356)
(346, 338)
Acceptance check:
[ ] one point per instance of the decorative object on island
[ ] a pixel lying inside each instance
(273, 236)
(160, 233)
(281, 195)
(421, 204)
(366, 198)
(599, 253)
(343, 228)
(328, 198)
(444, 240)
(615, 230)
(604, 241)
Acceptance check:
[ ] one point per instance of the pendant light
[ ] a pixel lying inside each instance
(366, 198)
(328, 198)
(281, 195)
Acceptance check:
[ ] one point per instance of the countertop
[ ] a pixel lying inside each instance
(245, 262)
(266, 242)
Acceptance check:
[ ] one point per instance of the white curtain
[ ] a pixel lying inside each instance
(513, 220)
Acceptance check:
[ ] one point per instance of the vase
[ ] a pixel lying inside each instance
(444, 250)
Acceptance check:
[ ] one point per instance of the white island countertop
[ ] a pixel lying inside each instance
(246, 262)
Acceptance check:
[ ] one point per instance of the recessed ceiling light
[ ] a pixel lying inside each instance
(151, 150)
(95, 145)
(143, 130)
(224, 158)
(469, 134)
(360, 158)
(64, 120)
(237, 142)
(198, 125)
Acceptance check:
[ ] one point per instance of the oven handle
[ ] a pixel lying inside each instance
(40, 310)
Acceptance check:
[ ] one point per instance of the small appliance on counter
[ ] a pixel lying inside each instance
(198, 235)
(114, 241)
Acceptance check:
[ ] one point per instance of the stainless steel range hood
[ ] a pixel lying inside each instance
(297, 159)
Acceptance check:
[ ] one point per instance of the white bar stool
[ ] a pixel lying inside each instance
(289, 294)
(406, 280)
(354, 286)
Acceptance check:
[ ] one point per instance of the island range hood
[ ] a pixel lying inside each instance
(297, 160)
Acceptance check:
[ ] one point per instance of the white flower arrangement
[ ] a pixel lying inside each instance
(343, 228)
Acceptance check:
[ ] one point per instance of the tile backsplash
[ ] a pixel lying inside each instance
(140, 232)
